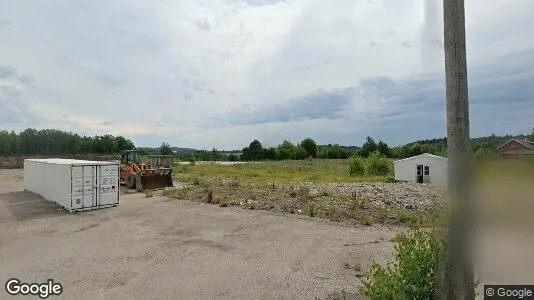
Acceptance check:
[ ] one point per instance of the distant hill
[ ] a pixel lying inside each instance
(489, 142)
(437, 146)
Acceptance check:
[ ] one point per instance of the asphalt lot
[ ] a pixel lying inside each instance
(161, 248)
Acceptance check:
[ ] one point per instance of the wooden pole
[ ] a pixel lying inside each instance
(461, 281)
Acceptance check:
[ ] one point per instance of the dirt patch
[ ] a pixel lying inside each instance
(358, 203)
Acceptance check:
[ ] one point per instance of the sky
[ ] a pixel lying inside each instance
(220, 73)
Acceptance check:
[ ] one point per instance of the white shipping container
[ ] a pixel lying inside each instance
(76, 185)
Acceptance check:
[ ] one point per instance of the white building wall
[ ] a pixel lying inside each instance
(406, 169)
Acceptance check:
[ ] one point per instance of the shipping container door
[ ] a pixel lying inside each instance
(83, 187)
(108, 184)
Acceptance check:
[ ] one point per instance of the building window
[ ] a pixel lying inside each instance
(427, 170)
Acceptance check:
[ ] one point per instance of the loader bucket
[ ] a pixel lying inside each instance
(154, 179)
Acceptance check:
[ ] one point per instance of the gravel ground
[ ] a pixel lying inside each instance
(161, 248)
(424, 197)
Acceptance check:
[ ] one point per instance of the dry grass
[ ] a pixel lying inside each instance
(317, 170)
(294, 199)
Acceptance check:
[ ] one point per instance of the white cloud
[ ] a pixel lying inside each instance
(171, 70)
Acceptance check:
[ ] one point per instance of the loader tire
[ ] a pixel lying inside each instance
(130, 184)
(139, 184)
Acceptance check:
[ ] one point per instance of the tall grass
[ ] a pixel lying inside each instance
(316, 170)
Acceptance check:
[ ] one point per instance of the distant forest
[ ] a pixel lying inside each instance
(56, 142)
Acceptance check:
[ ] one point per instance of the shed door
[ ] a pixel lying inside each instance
(426, 174)
(423, 174)
(108, 184)
(83, 187)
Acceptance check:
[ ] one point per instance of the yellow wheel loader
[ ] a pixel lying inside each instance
(155, 174)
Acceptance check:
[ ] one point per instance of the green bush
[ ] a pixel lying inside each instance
(356, 166)
(300, 153)
(482, 154)
(412, 275)
(377, 164)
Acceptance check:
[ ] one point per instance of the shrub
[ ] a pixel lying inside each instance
(311, 209)
(391, 179)
(377, 164)
(192, 160)
(233, 157)
(482, 154)
(300, 153)
(412, 276)
(356, 166)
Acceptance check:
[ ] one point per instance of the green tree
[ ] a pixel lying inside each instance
(310, 146)
(165, 149)
(215, 155)
(383, 148)
(356, 166)
(269, 153)
(300, 153)
(377, 164)
(233, 157)
(285, 150)
(253, 152)
(532, 135)
(415, 149)
(368, 147)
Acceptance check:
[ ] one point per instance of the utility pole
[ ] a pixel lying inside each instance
(458, 280)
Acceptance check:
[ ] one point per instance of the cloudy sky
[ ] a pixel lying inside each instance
(218, 73)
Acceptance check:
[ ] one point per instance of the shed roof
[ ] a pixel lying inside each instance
(428, 155)
(527, 144)
(66, 161)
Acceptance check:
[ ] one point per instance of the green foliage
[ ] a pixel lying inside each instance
(300, 153)
(269, 153)
(285, 150)
(233, 157)
(253, 152)
(416, 150)
(368, 147)
(165, 149)
(383, 148)
(377, 164)
(192, 160)
(356, 166)
(333, 152)
(311, 209)
(56, 142)
(412, 275)
(310, 146)
(482, 154)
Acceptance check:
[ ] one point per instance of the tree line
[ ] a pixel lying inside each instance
(308, 148)
(56, 142)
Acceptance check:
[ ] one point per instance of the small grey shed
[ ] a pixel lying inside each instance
(424, 168)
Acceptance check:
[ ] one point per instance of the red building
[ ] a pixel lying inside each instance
(516, 148)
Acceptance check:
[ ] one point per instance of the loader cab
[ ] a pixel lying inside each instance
(130, 157)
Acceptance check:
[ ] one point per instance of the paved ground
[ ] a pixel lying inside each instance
(161, 248)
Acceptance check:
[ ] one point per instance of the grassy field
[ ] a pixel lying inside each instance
(324, 188)
(317, 170)
(315, 188)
